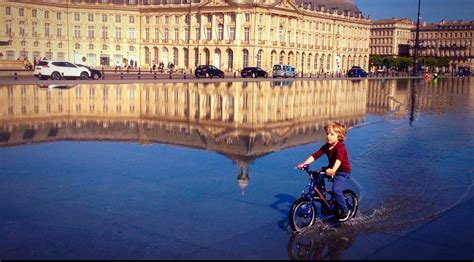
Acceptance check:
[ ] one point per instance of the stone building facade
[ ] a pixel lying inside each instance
(313, 35)
(390, 37)
(452, 39)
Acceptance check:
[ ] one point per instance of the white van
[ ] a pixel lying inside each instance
(280, 70)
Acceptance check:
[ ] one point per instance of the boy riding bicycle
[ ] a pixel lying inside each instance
(339, 167)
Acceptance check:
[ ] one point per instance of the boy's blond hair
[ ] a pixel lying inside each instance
(339, 129)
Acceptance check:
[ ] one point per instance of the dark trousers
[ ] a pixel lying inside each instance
(339, 180)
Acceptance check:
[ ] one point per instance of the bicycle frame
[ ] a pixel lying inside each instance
(312, 188)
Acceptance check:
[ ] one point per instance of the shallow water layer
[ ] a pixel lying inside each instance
(178, 171)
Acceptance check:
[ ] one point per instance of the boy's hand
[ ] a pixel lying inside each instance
(300, 166)
(330, 172)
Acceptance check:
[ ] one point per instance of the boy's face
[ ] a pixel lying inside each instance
(331, 136)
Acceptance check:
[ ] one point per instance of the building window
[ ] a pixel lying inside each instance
(196, 56)
(46, 14)
(208, 33)
(220, 32)
(46, 29)
(59, 31)
(22, 27)
(176, 34)
(118, 19)
(118, 32)
(8, 11)
(77, 31)
(77, 17)
(104, 18)
(230, 59)
(91, 46)
(131, 19)
(246, 34)
(186, 34)
(105, 32)
(58, 15)
(90, 17)
(245, 55)
(247, 17)
(34, 13)
(77, 46)
(175, 56)
(90, 31)
(166, 34)
(232, 33)
(197, 33)
(21, 12)
(131, 33)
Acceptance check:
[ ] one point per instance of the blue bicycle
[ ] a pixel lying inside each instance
(318, 203)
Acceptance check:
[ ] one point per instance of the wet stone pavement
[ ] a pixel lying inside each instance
(102, 179)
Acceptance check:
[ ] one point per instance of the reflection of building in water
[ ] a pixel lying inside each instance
(390, 95)
(243, 121)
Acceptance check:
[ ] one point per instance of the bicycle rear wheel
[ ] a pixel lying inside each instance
(302, 215)
(352, 202)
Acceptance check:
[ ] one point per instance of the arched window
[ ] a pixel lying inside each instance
(259, 58)
(230, 59)
(175, 56)
(147, 55)
(207, 56)
(316, 62)
(328, 64)
(245, 57)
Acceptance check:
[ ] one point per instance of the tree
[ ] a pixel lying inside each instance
(443, 61)
(405, 62)
(431, 62)
(376, 60)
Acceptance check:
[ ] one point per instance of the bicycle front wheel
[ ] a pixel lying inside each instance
(302, 215)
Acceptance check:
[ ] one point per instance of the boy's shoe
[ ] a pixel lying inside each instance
(344, 216)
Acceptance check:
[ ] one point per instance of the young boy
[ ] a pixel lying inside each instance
(339, 166)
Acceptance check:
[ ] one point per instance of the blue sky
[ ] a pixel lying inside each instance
(431, 10)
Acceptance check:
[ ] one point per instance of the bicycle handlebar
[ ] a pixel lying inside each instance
(306, 168)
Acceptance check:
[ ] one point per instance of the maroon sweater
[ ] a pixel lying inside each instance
(338, 152)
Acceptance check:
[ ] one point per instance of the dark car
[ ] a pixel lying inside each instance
(463, 71)
(95, 74)
(253, 72)
(356, 72)
(208, 71)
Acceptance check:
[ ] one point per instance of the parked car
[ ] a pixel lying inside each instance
(280, 70)
(56, 70)
(253, 72)
(463, 71)
(356, 71)
(208, 71)
(95, 74)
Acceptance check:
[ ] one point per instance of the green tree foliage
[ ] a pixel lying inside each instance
(431, 62)
(376, 60)
(443, 61)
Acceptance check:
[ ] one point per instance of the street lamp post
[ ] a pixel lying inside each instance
(417, 37)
